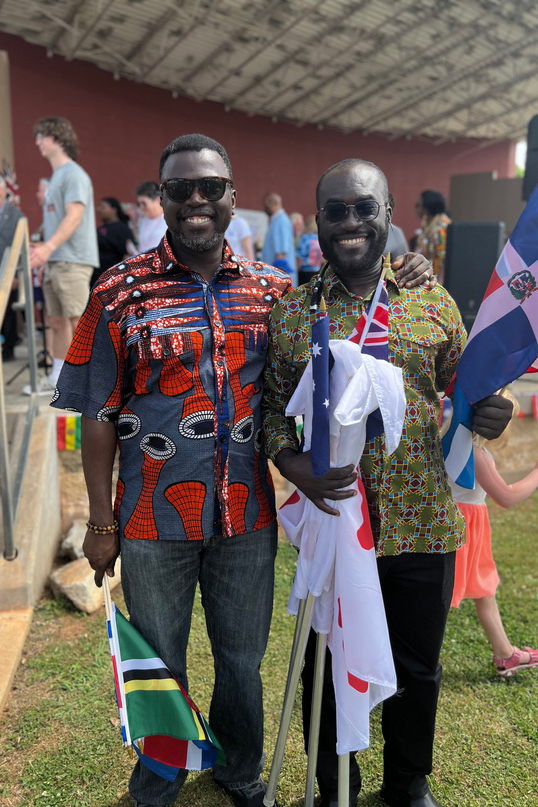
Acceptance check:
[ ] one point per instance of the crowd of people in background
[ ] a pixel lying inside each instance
(69, 243)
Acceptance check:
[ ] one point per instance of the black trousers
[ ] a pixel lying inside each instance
(417, 590)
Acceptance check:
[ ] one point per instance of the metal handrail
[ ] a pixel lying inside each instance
(15, 258)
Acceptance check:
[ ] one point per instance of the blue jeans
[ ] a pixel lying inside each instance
(236, 577)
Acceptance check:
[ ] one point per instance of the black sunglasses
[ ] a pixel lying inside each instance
(211, 188)
(366, 210)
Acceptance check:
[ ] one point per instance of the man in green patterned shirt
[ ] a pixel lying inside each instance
(416, 525)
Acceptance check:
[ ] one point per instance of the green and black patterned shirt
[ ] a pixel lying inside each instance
(411, 508)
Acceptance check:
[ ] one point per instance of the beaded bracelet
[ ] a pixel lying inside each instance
(102, 530)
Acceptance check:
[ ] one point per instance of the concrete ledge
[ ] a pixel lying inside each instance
(14, 627)
(38, 524)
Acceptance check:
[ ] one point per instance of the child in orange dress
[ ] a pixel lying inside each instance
(476, 574)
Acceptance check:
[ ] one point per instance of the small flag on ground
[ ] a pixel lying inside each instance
(503, 343)
(157, 717)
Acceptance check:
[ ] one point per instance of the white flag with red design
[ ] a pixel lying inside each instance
(337, 556)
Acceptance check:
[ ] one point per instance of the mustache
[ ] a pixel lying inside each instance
(196, 211)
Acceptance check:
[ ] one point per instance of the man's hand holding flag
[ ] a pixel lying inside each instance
(502, 346)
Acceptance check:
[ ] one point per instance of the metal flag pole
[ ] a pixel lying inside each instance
(315, 717)
(302, 629)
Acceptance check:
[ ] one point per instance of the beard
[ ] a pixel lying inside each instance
(199, 244)
(339, 258)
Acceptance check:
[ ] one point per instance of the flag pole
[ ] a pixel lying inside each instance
(115, 652)
(315, 717)
(302, 629)
(108, 599)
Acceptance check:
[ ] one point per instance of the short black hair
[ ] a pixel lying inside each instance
(343, 164)
(194, 142)
(149, 189)
(116, 204)
(433, 201)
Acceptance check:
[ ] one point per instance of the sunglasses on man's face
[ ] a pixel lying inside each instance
(211, 188)
(366, 210)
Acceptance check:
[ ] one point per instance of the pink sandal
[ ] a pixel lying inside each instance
(509, 666)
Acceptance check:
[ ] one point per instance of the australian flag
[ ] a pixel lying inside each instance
(320, 397)
(503, 342)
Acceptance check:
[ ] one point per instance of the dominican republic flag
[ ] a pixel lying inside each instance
(337, 561)
(157, 717)
(503, 343)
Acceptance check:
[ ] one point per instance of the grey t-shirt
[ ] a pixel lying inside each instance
(70, 183)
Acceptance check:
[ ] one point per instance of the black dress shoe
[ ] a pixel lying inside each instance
(394, 800)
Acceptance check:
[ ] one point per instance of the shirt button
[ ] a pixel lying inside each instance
(220, 363)
(166, 351)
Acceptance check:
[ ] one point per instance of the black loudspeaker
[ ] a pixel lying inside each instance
(530, 180)
(472, 250)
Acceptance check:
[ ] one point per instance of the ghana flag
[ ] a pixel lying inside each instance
(157, 717)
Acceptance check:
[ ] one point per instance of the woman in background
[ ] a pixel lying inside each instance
(431, 241)
(114, 236)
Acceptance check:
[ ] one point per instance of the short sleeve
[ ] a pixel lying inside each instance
(92, 376)
(76, 188)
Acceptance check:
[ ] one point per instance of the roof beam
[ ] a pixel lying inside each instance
(283, 31)
(470, 71)
(156, 28)
(105, 48)
(350, 54)
(509, 84)
(202, 15)
(490, 119)
(89, 29)
(63, 25)
(338, 110)
(236, 34)
(319, 36)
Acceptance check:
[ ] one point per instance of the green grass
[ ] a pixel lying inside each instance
(60, 743)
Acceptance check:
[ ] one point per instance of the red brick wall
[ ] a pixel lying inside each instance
(123, 127)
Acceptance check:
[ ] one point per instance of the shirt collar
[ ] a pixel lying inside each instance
(331, 280)
(164, 259)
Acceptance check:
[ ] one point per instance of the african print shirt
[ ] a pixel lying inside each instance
(432, 243)
(411, 509)
(177, 364)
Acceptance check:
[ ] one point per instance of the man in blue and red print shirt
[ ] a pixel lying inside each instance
(168, 361)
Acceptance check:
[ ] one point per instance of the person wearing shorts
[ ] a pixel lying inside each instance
(69, 249)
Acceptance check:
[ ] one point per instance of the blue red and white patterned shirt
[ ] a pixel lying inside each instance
(177, 363)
